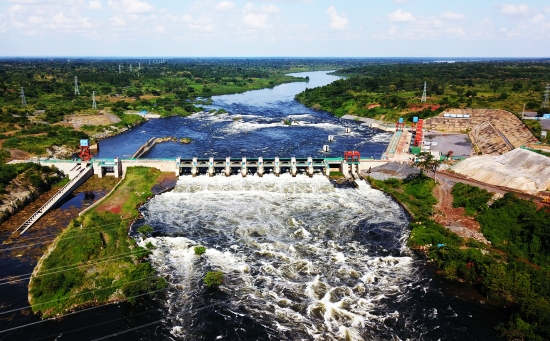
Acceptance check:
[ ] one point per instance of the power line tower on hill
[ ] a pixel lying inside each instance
(94, 104)
(130, 67)
(424, 97)
(119, 69)
(546, 95)
(76, 91)
(23, 100)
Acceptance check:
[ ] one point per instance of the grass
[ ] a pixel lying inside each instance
(415, 193)
(94, 261)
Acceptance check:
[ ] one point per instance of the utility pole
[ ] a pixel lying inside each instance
(424, 97)
(76, 91)
(546, 95)
(23, 100)
(94, 104)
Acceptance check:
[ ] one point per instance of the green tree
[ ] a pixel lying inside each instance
(427, 162)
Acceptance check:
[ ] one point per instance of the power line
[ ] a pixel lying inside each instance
(94, 325)
(94, 104)
(123, 318)
(73, 296)
(76, 91)
(127, 330)
(424, 97)
(69, 233)
(546, 95)
(23, 100)
(75, 312)
(74, 266)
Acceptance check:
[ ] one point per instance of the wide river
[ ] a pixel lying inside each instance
(302, 259)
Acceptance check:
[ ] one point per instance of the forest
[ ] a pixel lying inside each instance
(512, 271)
(390, 91)
(164, 87)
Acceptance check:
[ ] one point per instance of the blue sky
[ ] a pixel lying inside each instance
(256, 28)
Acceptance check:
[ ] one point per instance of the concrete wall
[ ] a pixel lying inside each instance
(145, 147)
(366, 164)
(64, 166)
(162, 165)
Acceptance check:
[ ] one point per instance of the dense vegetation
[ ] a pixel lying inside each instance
(94, 260)
(514, 271)
(173, 87)
(473, 199)
(395, 90)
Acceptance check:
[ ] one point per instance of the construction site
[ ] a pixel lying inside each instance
(488, 146)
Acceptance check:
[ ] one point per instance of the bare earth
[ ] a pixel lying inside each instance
(97, 120)
(454, 218)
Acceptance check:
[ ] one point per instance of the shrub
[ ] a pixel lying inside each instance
(199, 250)
(213, 278)
(145, 230)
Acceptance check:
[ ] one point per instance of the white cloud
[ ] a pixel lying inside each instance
(258, 18)
(514, 10)
(95, 4)
(337, 22)
(117, 21)
(539, 18)
(202, 24)
(400, 16)
(225, 6)
(453, 16)
(36, 20)
(130, 6)
(270, 9)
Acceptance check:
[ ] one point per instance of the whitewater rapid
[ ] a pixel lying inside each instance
(301, 258)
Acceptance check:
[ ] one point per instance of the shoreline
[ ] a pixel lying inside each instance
(123, 284)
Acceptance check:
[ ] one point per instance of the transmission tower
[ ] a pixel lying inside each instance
(130, 67)
(94, 104)
(424, 94)
(76, 92)
(119, 69)
(23, 100)
(546, 94)
(139, 65)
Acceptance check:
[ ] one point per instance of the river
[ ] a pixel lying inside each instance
(302, 260)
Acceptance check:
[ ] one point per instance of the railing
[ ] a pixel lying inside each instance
(52, 201)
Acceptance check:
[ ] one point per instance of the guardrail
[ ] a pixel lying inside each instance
(85, 173)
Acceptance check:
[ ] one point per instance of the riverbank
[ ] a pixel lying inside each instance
(499, 271)
(101, 263)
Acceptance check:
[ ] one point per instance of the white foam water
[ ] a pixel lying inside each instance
(303, 259)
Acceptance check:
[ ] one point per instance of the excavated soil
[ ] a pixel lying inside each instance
(454, 218)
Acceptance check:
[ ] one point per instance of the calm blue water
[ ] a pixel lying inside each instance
(253, 127)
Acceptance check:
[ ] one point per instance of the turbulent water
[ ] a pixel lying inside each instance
(254, 126)
(302, 259)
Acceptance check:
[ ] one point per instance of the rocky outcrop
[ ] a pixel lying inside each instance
(20, 192)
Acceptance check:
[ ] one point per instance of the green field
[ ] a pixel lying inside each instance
(94, 261)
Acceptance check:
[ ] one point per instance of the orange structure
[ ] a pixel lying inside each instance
(419, 135)
(85, 154)
(352, 156)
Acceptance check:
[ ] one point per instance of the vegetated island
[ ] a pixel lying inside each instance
(512, 271)
(388, 91)
(100, 263)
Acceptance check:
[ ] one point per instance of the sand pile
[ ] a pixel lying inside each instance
(519, 169)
